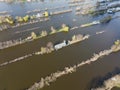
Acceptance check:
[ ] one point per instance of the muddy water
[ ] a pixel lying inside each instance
(23, 74)
(115, 88)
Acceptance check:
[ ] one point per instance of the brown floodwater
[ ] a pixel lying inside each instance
(115, 88)
(22, 74)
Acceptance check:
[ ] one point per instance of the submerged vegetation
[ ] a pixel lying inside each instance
(110, 83)
(68, 70)
(106, 19)
(8, 21)
(33, 36)
(50, 47)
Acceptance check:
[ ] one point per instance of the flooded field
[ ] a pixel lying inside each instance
(67, 67)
